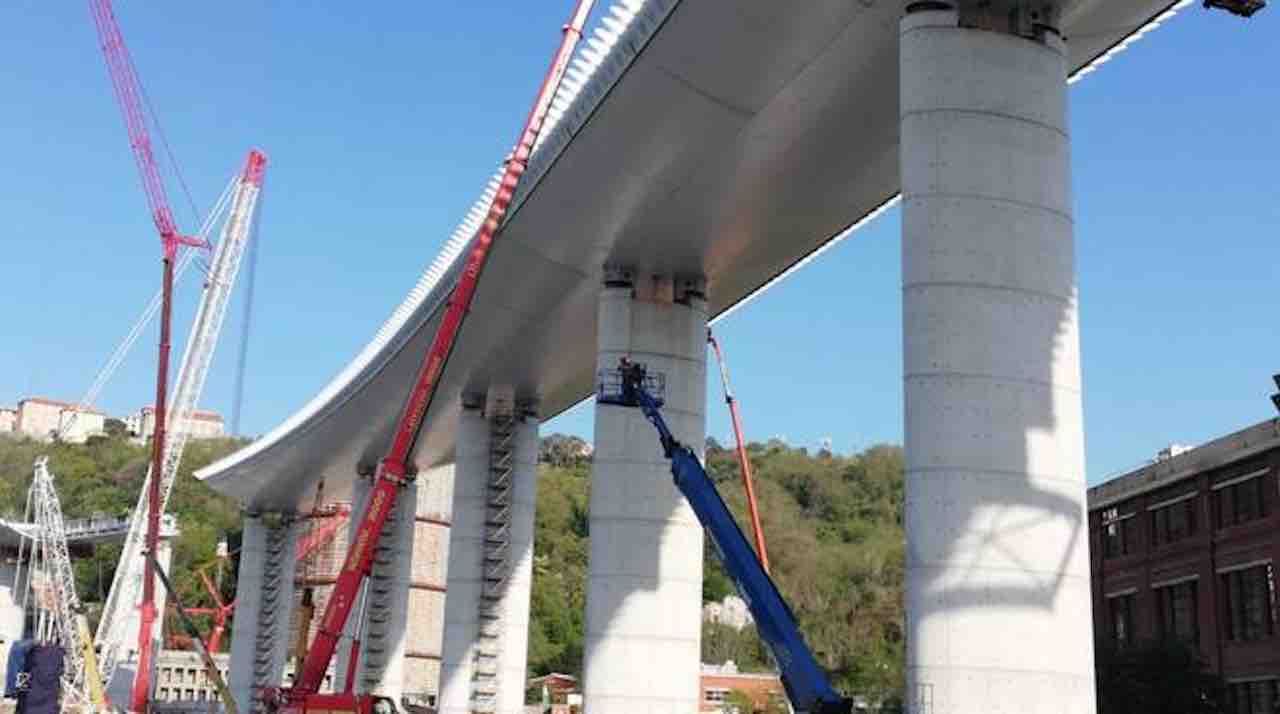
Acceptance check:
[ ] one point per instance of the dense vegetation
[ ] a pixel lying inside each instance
(104, 476)
(834, 531)
(833, 525)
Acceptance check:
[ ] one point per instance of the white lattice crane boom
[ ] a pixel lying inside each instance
(113, 636)
(53, 582)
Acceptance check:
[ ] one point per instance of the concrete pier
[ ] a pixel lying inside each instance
(645, 570)
(487, 609)
(386, 617)
(427, 588)
(264, 595)
(466, 553)
(998, 608)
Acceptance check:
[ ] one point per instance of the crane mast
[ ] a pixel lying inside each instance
(393, 470)
(129, 95)
(56, 594)
(132, 574)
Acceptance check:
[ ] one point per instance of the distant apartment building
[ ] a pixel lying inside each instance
(731, 611)
(42, 419)
(8, 420)
(1186, 548)
(200, 425)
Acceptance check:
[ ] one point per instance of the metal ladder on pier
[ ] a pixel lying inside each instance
(497, 562)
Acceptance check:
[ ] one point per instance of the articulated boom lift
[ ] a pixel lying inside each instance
(807, 686)
(394, 470)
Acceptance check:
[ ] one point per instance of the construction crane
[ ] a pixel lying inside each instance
(393, 470)
(53, 582)
(807, 685)
(134, 572)
(744, 461)
(129, 94)
(82, 680)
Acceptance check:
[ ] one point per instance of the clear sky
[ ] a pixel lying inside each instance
(382, 125)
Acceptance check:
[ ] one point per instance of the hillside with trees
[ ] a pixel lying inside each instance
(833, 525)
(834, 530)
(104, 476)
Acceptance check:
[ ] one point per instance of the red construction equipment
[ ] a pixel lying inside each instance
(219, 612)
(393, 471)
(129, 94)
(334, 516)
(744, 462)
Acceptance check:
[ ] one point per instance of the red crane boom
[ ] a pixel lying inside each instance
(129, 95)
(392, 471)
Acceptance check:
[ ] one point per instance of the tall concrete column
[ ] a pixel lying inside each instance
(386, 619)
(427, 590)
(644, 582)
(487, 608)
(466, 553)
(264, 595)
(514, 637)
(998, 606)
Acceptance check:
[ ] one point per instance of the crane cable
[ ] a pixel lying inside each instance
(117, 357)
(744, 462)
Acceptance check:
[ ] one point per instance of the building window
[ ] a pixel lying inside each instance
(1121, 607)
(1256, 697)
(1250, 598)
(1176, 605)
(715, 696)
(1118, 536)
(1241, 502)
(1173, 522)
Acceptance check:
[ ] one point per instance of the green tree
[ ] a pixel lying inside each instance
(739, 702)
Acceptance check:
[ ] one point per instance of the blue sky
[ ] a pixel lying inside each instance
(382, 125)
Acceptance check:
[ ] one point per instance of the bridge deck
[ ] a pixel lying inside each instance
(729, 138)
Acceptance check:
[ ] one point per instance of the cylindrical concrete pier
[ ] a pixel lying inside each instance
(515, 602)
(498, 653)
(427, 590)
(466, 558)
(998, 608)
(264, 594)
(645, 569)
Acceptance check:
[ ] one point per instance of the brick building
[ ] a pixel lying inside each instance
(1186, 547)
(718, 680)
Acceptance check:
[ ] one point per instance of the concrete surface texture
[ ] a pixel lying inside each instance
(466, 558)
(515, 601)
(645, 569)
(264, 592)
(386, 617)
(997, 566)
(427, 588)
(463, 650)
